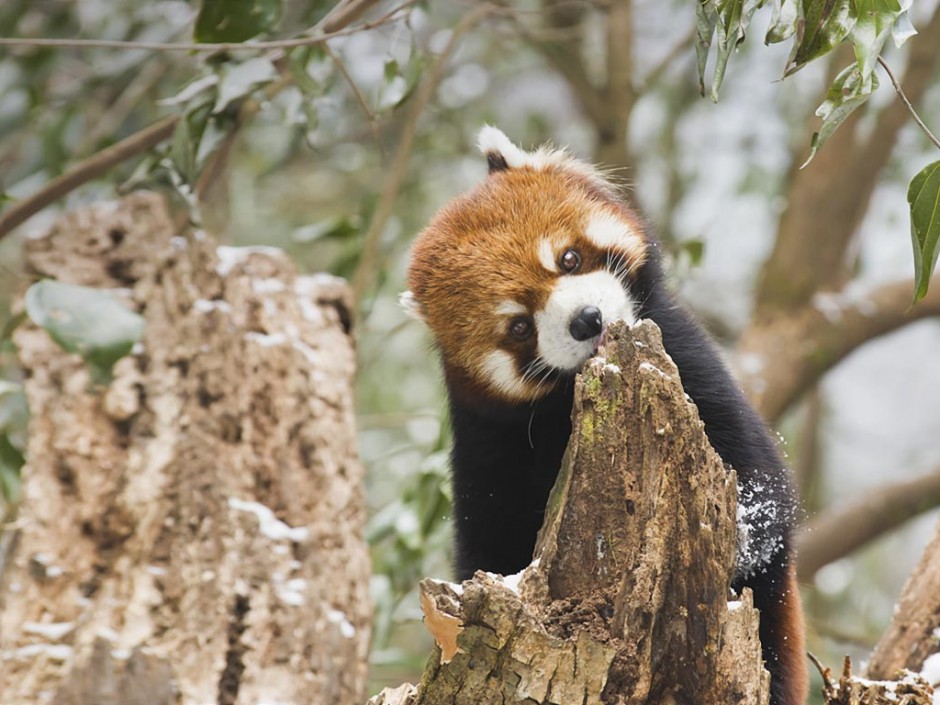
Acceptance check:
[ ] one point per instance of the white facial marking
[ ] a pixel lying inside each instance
(601, 289)
(499, 368)
(508, 307)
(607, 230)
(547, 255)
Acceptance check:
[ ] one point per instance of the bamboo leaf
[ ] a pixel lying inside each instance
(706, 18)
(923, 195)
(782, 22)
(733, 19)
(820, 27)
(239, 80)
(235, 20)
(874, 23)
(849, 91)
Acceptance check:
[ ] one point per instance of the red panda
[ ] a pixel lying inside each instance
(517, 280)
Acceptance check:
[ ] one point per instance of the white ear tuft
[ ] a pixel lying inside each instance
(492, 142)
(411, 305)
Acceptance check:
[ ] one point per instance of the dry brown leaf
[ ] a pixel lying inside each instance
(443, 627)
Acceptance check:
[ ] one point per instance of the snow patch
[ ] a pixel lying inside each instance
(207, 306)
(49, 630)
(292, 592)
(931, 669)
(56, 652)
(268, 524)
(266, 341)
(268, 286)
(649, 367)
(346, 627)
(231, 257)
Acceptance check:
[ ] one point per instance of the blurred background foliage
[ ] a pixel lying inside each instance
(339, 152)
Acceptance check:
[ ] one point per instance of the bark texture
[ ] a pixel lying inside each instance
(191, 533)
(909, 689)
(627, 601)
(914, 634)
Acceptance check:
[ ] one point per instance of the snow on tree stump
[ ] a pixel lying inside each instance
(628, 598)
(192, 532)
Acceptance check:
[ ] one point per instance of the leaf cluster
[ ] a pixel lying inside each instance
(817, 28)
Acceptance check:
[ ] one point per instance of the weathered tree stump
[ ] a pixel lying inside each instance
(628, 598)
(191, 533)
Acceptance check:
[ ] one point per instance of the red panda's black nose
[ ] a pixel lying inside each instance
(586, 324)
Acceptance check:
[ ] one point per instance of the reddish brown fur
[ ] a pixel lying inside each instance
(790, 630)
(483, 248)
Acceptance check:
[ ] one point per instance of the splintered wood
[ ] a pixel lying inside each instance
(190, 533)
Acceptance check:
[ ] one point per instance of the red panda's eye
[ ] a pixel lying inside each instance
(570, 261)
(520, 328)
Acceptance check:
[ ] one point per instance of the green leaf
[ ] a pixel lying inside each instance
(235, 20)
(90, 322)
(336, 228)
(848, 91)
(203, 85)
(924, 197)
(695, 249)
(239, 80)
(706, 19)
(903, 29)
(875, 20)
(821, 26)
(782, 22)
(734, 16)
(11, 462)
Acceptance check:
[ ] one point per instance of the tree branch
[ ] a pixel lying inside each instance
(619, 96)
(779, 359)
(842, 530)
(213, 46)
(914, 633)
(94, 166)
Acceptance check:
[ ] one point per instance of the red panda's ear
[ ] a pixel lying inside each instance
(411, 305)
(501, 154)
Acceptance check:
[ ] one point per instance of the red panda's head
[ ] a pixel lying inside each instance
(518, 278)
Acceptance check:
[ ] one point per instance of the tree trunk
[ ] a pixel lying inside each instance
(191, 532)
(914, 634)
(627, 601)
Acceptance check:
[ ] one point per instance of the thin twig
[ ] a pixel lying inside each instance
(372, 239)
(345, 13)
(203, 46)
(361, 99)
(907, 103)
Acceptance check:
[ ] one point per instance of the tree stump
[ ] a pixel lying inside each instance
(192, 532)
(628, 598)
